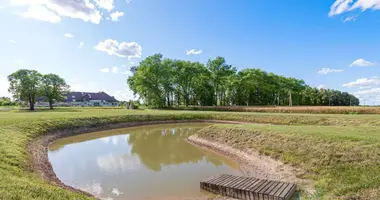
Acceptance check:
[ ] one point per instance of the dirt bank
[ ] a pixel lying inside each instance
(38, 147)
(255, 165)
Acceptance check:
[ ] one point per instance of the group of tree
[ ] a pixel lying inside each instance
(28, 85)
(167, 82)
(6, 101)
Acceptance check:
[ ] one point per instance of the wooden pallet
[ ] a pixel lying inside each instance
(248, 188)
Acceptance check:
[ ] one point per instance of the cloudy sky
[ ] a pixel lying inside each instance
(92, 43)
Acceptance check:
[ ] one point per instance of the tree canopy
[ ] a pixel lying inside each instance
(28, 85)
(24, 84)
(53, 88)
(162, 82)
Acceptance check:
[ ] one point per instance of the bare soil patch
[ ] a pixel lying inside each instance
(255, 165)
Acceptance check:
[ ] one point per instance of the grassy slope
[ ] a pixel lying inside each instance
(17, 128)
(344, 161)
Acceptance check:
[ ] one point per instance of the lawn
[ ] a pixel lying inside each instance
(340, 152)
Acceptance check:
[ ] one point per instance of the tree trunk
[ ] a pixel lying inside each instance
(51, 105)
(31, 104)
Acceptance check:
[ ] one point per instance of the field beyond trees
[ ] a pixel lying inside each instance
(339, 152)
(288, 109)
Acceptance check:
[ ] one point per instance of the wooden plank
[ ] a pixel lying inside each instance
(216, 183)
(248, 188)
(279, 191)
(263, 189)
(257, 191)
(227, 185)
(244, 187)
(248, 192)
(253, 188)
(288, 192)
(239, 187)
(233, 188)
(271, 194)
(269, 190)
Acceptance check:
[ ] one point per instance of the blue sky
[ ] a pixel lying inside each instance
(332, 44)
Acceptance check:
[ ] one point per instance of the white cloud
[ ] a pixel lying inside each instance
(12, 41)
(53, 10)
(115, 70)
(124, 95)
(116, 15)
(342, 6)
(128, 1)
(116, 192)
(321, 86)
(94, 188)
(41, 13)
(193, 52)
(369, 96)
(124, 49)
(81, 45)
(128, 73)
(350, 18)
(362, 63)
(105, 4)
(105, 70)
(119, 163)
(4, 85)
(79, 86)
(68, 35)
(363, 83)
(329, 70)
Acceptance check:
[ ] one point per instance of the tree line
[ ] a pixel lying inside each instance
(28, 85)
(163, 82)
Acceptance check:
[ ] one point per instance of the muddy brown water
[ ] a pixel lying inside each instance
(146, 162)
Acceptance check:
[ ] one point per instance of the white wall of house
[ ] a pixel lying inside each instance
(85, 104)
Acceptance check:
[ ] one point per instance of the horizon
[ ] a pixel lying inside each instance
(92, 45)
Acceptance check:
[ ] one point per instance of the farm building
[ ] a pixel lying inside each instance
(84, 99)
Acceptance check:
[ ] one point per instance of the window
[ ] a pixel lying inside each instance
(73, 97)
(73, 100)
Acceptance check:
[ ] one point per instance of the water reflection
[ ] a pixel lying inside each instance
(125, 165)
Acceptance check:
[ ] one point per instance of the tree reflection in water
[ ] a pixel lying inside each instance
(158, 148)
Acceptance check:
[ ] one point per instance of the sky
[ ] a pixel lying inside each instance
(92, 43)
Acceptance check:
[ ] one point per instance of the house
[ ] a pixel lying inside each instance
(84, 99)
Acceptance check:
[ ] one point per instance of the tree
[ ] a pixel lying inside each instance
(53, 88)
(165, 82)
(24, 85)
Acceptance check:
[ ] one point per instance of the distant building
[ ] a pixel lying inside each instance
(83, 99)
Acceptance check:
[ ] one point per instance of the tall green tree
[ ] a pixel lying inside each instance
(53, 88)
(166, 82)
(25, 85)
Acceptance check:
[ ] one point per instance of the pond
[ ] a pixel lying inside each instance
(145, 162)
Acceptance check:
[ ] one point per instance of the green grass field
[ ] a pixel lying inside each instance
(341, 153)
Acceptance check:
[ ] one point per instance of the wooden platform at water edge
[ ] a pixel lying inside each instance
(248, 188)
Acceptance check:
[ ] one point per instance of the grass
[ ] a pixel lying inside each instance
(287, 109)
(343, 161)
(323, 145)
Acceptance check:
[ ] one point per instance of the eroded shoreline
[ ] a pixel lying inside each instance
(252, 165)
(38, 147)
(255, 165)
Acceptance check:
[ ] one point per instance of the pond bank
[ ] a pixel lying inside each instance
(38, 148)
(255, 165)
